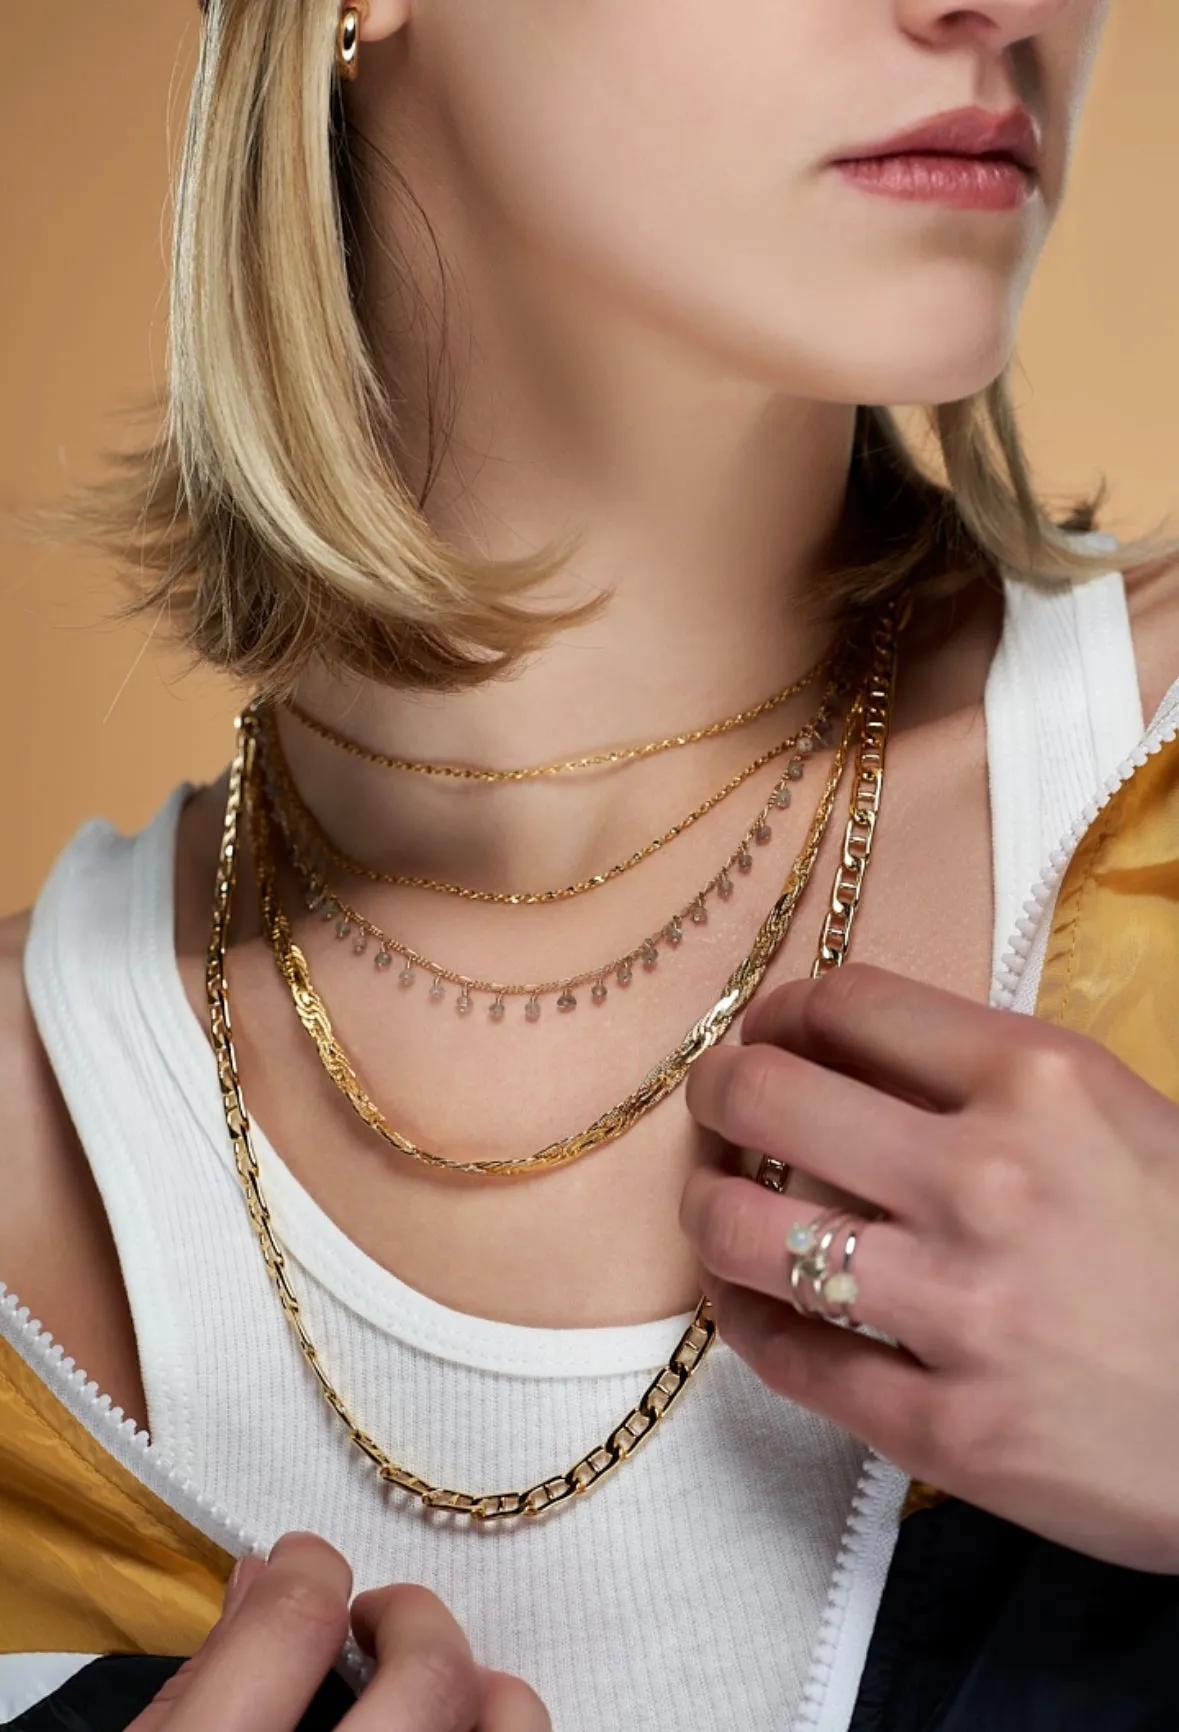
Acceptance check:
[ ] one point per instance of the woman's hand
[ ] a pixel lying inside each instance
(1029, 1264)
(283, 1625)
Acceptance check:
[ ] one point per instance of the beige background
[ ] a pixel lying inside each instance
(94, 717)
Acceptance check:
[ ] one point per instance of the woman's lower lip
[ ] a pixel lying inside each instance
(966, 182)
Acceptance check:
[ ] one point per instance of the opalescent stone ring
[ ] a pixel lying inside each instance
(819, 1257)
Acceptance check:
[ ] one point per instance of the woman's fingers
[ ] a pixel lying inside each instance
(510, 1706)
(919, 1041)
(739, 1232)
(875, 1391)
(286, 1623)
(426, 1678)
(831, 1126)
(245, 1572)
(155, 1717)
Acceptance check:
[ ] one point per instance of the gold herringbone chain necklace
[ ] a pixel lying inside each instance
(664, 1390)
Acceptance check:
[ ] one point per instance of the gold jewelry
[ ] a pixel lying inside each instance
(857, 845)
(660, 1394)
(348, 41)
(320, 897)
(300, 817)
(626, 755)
(659, 1082)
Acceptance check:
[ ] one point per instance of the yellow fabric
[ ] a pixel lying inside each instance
(1112, 965)
(91, 1562)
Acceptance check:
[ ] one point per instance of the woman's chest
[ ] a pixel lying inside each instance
(923, 897)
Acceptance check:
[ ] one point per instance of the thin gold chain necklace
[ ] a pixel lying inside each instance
(594, 760)
(659, 1082)
(665, 1389)
(300, 820)
(321, 897)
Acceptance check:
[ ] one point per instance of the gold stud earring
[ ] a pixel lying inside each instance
(348, 42)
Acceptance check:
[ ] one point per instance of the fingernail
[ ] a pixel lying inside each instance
(244, 1572)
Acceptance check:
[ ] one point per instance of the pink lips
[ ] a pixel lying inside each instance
(970, 158)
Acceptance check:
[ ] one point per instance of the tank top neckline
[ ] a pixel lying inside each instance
(1021, 729)
(334, 1260)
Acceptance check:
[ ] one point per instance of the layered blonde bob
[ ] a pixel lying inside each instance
(268, 516)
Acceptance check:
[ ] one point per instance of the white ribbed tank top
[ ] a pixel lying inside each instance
(697, 1588)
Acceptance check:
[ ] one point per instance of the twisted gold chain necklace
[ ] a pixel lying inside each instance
(594, 760)
(665, 1389)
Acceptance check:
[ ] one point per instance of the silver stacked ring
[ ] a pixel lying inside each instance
(820, 1254)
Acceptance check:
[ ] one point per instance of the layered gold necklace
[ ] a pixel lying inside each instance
(867, 724)
(306, 846)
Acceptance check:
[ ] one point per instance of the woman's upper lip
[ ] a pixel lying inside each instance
(962, 132)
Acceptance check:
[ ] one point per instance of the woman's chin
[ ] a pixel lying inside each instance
(944, 372)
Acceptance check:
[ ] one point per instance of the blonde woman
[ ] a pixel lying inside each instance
(658, 792)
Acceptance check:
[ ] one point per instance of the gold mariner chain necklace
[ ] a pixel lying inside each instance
(871, 711)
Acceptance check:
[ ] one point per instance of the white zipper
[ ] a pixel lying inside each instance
(833, 1678)
(133, 1449)
(862, 1563)
(118, 1435)
(1162, 730)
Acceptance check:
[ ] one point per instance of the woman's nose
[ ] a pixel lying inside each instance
(994, 23)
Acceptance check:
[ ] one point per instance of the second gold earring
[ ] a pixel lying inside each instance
(348, 42)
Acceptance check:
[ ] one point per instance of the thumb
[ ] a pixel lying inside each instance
(154, 1717)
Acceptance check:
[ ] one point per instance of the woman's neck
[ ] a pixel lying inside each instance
(675, 648)
(707, 498)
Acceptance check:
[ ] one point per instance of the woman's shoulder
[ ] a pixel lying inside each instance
(56, 1250)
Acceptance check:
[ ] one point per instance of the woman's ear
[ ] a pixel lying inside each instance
(382, 18)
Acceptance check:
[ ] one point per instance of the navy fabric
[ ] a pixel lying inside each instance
(107, 1695)
(985, 1628)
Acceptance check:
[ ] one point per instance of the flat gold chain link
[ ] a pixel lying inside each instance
(867, 787)
(663, 1391)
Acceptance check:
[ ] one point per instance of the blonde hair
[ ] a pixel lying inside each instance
(269, 514)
